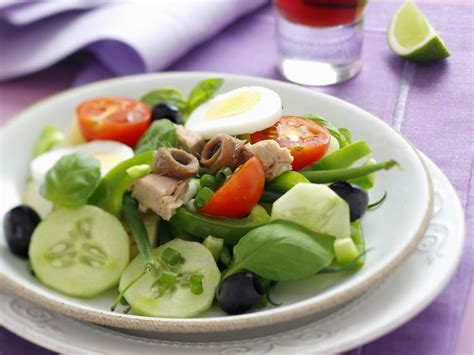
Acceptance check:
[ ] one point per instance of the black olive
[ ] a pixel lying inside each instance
(166, 110)
(239, 293)
(356, 198)
(18, 226)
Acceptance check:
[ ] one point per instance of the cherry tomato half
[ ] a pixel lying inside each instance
(307, 140)
(239, 194)
(114, 118)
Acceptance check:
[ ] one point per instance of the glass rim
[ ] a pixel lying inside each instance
(356, 21)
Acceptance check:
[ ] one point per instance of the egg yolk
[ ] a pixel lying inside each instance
(234, 105)
(107, 160)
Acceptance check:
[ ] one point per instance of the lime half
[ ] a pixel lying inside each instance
(412, 37)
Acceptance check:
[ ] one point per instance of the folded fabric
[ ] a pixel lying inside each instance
(24, 13)
(127, 37)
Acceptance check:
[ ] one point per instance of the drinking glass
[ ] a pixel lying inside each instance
(319, 41)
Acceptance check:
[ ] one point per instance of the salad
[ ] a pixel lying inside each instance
(179, 202)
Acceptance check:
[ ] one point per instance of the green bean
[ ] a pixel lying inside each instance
(286, 181)
(344, 157)
(134, 220)
(367, 181)
(328, 176)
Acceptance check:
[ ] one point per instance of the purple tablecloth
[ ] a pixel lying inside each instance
(432, 105)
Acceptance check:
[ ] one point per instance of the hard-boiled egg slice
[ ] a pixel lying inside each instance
(333, 146)
(244, 110)
(108, 153)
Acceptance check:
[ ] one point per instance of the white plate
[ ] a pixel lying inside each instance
(391, 232)
(377, 312)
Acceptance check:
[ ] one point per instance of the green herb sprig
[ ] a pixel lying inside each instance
(161, 134)
(72, 180)
(202, 92)
(342, 135)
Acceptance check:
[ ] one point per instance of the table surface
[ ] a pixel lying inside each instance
(431, 105)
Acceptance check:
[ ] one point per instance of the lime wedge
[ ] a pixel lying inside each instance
(412, 37)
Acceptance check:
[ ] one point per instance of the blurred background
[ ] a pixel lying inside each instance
(49, 46)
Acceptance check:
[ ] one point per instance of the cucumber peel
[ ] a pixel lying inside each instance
(345, 250)
(315, 207)
(79, 252)
(358, 239)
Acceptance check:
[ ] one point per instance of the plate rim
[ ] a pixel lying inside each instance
(232, 323)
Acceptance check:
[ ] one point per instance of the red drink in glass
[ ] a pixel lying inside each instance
(319, 41)
(321, 13)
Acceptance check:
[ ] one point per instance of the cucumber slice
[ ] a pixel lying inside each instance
(177, 301)
(315, 207)
(79, 252)
(358, 239)
(345, 250)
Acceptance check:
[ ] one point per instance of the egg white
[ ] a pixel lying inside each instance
(333, 146)
(109, 154)
(265, 113)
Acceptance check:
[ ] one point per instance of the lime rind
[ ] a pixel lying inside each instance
(412, 23)
(432, 51)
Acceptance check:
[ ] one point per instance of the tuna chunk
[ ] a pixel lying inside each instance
(162, 194)
(189, 141)
(275, 159)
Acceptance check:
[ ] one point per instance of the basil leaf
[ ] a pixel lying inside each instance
(282, 250)
(161, 133)
(202, 92)
(346, 134)
(342, 135)
(72, 180)
(173, 96)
